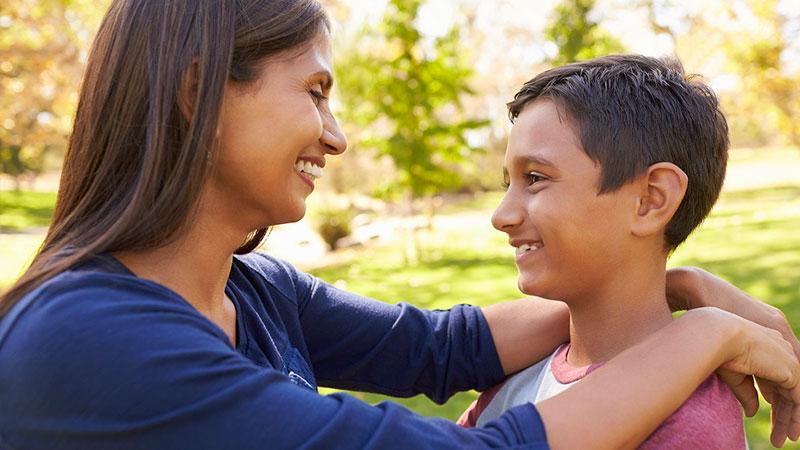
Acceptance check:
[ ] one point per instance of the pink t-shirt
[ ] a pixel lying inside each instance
(710, 419)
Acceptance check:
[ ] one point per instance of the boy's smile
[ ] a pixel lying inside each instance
(526, 249)
(568, 239)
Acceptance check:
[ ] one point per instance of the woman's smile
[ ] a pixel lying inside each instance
(308, 171)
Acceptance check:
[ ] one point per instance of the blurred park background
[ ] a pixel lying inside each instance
(421, 88)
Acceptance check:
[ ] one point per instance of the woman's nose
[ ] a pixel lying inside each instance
(508, 215)
(333, 138)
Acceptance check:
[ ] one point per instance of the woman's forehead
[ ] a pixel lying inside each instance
(306, 59)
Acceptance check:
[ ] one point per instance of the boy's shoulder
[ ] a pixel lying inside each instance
(518, 389)
(710, 419)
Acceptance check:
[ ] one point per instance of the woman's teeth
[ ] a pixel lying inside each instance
(308, 168)
(528, 247)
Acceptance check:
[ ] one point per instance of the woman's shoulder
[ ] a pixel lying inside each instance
(83, 302)
(79, 286)
(112, 344)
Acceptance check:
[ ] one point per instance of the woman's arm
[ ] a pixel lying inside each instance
(527, 330)
(619, 405)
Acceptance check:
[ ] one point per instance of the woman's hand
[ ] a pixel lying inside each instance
(775, 368)
(692, 287)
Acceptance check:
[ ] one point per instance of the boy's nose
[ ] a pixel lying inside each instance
(508, 215)
(333, 138)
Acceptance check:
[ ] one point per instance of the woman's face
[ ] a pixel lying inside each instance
(274, 135)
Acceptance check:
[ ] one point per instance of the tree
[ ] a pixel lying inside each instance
(406, 93)
(42, 51)
(577, 35)
(751, 43)
(761, 60)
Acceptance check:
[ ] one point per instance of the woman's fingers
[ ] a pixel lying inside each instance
(781, 416)
(785, 413)
(764, 353)
(743, 388)
(794, 426)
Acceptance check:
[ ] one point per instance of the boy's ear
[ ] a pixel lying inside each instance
(187, 91)
(661, 190)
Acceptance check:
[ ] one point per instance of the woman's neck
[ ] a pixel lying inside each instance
(196, 265)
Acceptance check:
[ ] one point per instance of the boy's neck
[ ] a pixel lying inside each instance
(628, 307)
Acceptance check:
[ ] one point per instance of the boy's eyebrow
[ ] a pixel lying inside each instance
(533, 159)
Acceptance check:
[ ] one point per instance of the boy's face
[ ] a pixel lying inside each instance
(569, 239)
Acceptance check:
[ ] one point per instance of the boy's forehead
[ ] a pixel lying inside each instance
(541, 139)
(539, 135)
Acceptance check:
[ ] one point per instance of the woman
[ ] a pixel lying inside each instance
(137, 327)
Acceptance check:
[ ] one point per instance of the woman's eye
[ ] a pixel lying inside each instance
(318, 96)
(505, 184)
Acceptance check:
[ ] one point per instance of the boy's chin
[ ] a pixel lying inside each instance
(531, 287)
(544, 287)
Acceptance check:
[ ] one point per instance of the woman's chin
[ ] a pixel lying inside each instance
(290, 215)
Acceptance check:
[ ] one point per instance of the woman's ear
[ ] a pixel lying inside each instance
(187, 91)
(661, 191)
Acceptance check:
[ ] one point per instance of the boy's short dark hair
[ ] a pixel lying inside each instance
(632, 111)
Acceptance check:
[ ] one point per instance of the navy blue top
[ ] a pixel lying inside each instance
(97, 358)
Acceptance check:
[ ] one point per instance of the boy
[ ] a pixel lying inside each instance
(611, 163)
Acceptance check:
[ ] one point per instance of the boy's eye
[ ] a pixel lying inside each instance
(533, 178)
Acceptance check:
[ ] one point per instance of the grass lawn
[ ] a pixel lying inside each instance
(751, 239)
(23, 210)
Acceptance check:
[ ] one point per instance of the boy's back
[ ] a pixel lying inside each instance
(610, 164)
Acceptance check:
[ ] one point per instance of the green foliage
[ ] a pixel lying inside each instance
(407, 95)
(767, 84)
(577, 35)
(333, 224)
(21, 210)
(42, 52)
(755, 40)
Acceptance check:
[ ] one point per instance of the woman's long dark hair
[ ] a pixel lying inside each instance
(135, 166)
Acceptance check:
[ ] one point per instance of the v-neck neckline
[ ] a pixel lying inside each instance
(241, 343)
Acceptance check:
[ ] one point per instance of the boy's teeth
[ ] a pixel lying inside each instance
(527, 247)
(308, 168)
